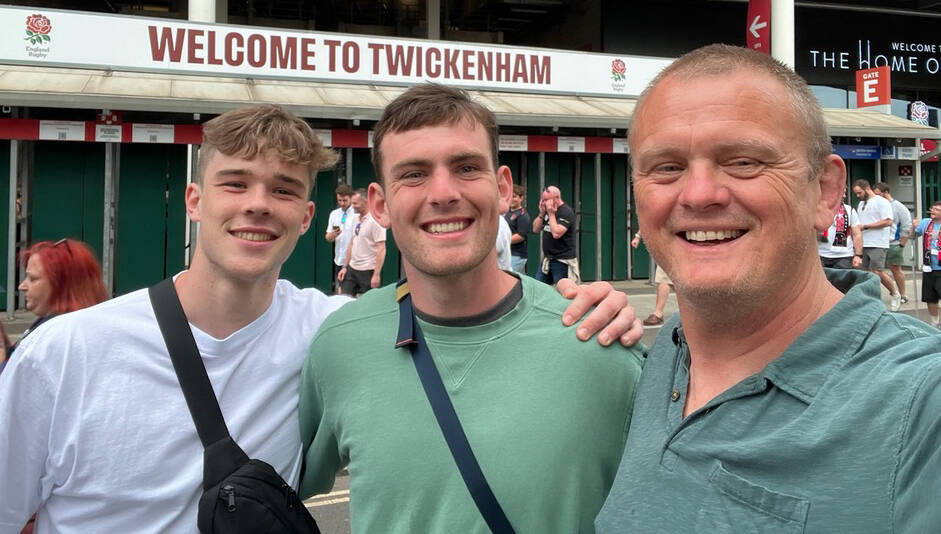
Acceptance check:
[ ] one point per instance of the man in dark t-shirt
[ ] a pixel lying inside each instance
(556, 221)
(520, 227)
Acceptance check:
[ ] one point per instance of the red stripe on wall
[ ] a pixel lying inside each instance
(127, 132)
(89, 131)
(350, 139)
(604, 145)
(188, 134)
(24, 129)
(543, 143)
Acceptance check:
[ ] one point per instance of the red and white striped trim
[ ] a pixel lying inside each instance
(90, 131)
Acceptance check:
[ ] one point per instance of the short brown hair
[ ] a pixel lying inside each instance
(720, 59)
(253, 130)
(881, 187)
(344, 190)
(862, 184)
(519, 190)
(431, 104)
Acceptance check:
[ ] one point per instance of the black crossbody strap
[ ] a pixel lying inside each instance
(410, 334)
(188, 364)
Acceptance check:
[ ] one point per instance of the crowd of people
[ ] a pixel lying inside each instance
(459, 399)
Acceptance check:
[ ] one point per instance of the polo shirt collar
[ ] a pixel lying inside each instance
(824, 347)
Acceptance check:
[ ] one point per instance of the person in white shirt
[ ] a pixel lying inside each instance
(875, 222)
(901, 225)
(340, 225)
(96, 435)
(366, 253)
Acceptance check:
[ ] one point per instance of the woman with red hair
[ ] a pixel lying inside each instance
(60, 277)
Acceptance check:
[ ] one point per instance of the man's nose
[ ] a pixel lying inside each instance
(442, 188)
(257, 200)
(703, 187)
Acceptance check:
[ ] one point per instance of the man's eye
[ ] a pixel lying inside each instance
(413, 175)
(743, 167)
(283, 191)
(667, 168)
(236, 185)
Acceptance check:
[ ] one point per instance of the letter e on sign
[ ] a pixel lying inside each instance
(873, 87)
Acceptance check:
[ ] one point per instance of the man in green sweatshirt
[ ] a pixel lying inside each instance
(545, 414)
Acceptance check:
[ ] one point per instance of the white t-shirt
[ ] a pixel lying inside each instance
(826, 248)
(874, 210)
(343, 240)
(504, 243)
(365, 241)
(96, 433)
(901, 218)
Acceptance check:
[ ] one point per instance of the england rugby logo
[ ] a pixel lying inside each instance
(37, 29)
(618, 74)
(919, 112)
(618, 70)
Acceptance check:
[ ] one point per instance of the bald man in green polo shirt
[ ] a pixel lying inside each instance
(784, 397)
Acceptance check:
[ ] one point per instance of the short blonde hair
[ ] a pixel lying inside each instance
(253, 130)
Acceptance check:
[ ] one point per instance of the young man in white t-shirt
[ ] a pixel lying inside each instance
(96, 435)
(875, 222)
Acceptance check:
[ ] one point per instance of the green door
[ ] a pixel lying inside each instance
(931, 185)
(67, 197)
(589, 227)
(311, 263)
(151, 223)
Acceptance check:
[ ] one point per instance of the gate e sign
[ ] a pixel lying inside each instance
(873, 88)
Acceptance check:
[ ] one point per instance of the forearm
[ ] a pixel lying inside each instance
(537, 224)
(857, 241)
(878, 224)
(380, 258)
(516, 239)
(557, 230)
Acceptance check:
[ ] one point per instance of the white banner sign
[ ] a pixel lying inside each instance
(36, 36)
(152, 133)
(571, 144)
(514, 143)
(620, 146)
(62, 130)
(108, 133)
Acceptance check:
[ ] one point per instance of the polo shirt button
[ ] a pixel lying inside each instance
(675, 395)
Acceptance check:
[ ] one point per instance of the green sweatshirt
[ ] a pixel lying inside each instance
(546, 415)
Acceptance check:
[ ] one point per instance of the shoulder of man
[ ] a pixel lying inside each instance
(352, 314)
(546, 300)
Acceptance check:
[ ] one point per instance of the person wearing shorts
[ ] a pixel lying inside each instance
(930, 230)
(664, 285)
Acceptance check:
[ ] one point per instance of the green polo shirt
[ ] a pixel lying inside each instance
(841, 433)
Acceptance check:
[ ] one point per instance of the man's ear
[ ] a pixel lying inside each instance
(310, 208)
(505, 187)
(832, 183)
(191, 197)
(377, 205)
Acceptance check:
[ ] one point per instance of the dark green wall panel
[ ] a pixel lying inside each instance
(620, 239)
(67, 195)
(588, 259)
(150, 223)
(311, 263)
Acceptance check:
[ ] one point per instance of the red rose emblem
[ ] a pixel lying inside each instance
(38, 24)
(618, 70)
(37, 29)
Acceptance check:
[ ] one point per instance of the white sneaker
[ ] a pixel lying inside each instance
(896, 303)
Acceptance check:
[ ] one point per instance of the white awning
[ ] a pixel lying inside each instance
(132, 91)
